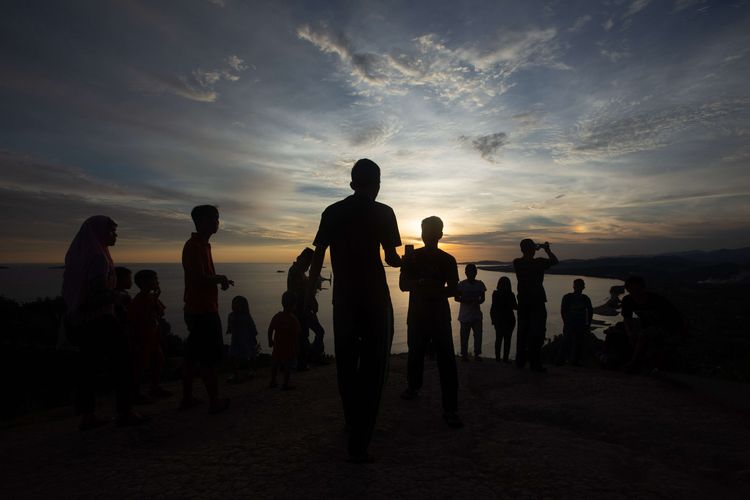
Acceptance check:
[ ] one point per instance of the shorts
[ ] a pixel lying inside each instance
(204, 343)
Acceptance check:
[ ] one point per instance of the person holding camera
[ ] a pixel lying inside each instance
(532, 309)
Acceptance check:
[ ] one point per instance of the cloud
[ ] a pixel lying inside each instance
(614, 55)
(487, 145)
(615, 129)
(636, 6)
(220, 3)
(608, 24)
(468, 74)
(579, 23)
(198, 86)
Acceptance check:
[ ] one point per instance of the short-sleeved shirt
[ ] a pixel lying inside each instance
(530, 276)
(654, 311)
(201, 296)
(286, 330)
(430, 264)
(576, 309)
(355, 228)
(470, 312)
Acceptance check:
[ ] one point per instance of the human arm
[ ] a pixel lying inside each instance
(270, 334)
(552, 257)
(194, 264)
(392, 258)
(589, 312)
(314, 273)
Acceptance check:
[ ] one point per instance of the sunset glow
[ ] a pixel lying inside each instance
(613, 128)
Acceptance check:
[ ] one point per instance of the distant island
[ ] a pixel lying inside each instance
(716, 267)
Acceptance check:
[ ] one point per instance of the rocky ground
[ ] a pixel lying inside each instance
(573, 433)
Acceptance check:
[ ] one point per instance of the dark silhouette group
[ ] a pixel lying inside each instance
(105, 323)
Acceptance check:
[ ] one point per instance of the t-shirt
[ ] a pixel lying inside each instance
(576, 309)
(503, 304)
(470, 312)
(530, 275)
(654, 311)
(201, 295)
(286, 330)
(433, 264)
(355, 228)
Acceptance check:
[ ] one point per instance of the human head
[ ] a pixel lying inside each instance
(432, 230)
(366, 178)
(635, 285)
(503, 284)
(240, 305)
(205, 218)
(146, 280)
(578, 285)
(124, 278)
(288, 299)
(471, 271)
(305, 258)
(528, 247)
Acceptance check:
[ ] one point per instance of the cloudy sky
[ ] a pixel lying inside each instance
(614, 127)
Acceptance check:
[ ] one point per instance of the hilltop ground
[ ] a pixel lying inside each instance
(574, 433)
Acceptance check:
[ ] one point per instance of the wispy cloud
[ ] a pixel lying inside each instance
(468, 73)
(580, 22)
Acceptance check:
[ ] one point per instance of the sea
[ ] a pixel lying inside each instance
(263, 284)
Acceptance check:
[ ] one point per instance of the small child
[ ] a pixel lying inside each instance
(244, 345)
(144, 314)
(470, 294)
(577, 313)
(283, 334)
(124, 282)
(503, 317)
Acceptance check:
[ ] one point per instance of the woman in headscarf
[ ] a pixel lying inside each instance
(88, 284)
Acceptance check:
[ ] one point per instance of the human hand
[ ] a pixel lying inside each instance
(270, 343)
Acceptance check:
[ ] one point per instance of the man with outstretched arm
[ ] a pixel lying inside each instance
(532, 309)
(355, 228)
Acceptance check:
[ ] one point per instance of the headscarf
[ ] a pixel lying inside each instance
(87, 258)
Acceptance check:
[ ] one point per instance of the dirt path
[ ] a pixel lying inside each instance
(574, 433)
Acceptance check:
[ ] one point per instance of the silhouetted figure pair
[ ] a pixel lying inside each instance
(532, 310)
(297, 285)
(502, 313)
(430, 275)
(577, 313)
(355, 229)
(283, 337)
(88, 290)
(204, 346)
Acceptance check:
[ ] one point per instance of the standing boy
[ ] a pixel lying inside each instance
(577, 313)
(470, 294)
(355, 228)
(204, 345)
(532, 311)
(430, 276)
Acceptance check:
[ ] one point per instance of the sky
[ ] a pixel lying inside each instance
(606, 128)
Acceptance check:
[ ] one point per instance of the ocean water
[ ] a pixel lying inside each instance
(263, 285)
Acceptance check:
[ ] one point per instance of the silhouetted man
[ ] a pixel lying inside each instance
(204, 345)
(430, 276)
(577, 314)
(355, 228)
(532, 311)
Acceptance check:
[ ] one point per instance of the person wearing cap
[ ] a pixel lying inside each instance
(532, 309)
(355, 229)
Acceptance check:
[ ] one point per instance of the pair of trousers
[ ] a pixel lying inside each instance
(503, 335)
(104, 343)
(363, 332)
(317, 348)
(418, 339)
(532, 327)
(572, 344)
(466, 328)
